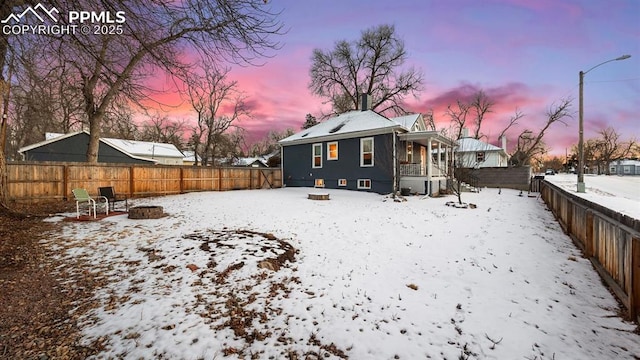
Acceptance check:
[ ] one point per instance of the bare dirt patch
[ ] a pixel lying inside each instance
(38, 310)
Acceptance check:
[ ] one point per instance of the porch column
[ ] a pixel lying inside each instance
(439, 158)
(446, 160)
(429, 168)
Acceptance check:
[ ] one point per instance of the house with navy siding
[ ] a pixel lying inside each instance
(366, 151)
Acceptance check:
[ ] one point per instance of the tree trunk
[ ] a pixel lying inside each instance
(5, 89)
(3, 180)
(95, 119)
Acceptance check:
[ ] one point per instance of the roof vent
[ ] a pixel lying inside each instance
(305, 134)
(337, 128)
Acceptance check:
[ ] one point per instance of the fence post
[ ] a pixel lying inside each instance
(634, 293)
(65, 182)
(181, 180)
(131, 186)
(570, 210)
(589, 246)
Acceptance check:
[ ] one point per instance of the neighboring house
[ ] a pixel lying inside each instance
(190, 158)
(363, 150)
(625, 167)
(72, 147)
(473, 153)
(258, 161)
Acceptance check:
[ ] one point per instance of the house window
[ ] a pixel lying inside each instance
(366, 152)
(342, 182)
(317, 155)
(612, 170)
(409, 152)
(319, 183)
(480, 156)
(627, 169)
(364, 183)
(332, 151)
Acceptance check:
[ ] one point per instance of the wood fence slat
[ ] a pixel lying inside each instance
(635, 279)
(611, 242)
(38, 181)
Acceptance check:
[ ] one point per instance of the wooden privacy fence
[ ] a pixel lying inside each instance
(609, 239)
(29, 182)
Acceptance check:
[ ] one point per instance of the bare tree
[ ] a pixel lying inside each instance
(555, 163)
(512, 121)
(481, 105)
(470, 113)
(218, 105)
(119, 122)
(429, 121)
(269, 143)
(530, 144)
(370, 65)
(43, 100)
(152, 40)
(229, 146)
(458, 117)
(5, 90)
(609, 147)
(163, 130)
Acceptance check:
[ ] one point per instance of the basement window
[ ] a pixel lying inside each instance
(364, 183)
(319, 183)
(342, 182)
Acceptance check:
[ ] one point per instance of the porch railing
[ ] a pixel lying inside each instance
(420, 170)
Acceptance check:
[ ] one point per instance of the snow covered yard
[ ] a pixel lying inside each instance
(620, 193)
(369, 278)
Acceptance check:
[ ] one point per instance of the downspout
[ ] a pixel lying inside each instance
(395, 161)
(281, 166)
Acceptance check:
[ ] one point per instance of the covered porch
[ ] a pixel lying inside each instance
(425, 162)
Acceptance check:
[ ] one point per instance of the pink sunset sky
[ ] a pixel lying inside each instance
(523, 54)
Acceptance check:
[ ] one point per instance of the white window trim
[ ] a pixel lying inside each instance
(409, 157)
(362, 152)
(313, 155)
(319, 183)
(342, 182)
(329, 152)
(364, 186)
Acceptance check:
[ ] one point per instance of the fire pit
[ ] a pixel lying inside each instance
(146, 212)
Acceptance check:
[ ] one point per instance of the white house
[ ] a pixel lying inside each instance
(473, 153)
(161, 153)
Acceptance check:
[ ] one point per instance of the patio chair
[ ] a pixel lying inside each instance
(83, 198)
(109, 193)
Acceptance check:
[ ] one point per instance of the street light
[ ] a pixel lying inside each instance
(581, 187)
